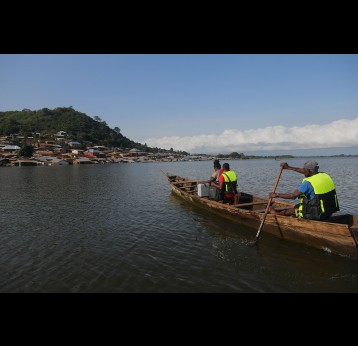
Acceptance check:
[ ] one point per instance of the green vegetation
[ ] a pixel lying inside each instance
(26, 151)
(78, 126)
(47, 122)
(233, 155)
(242, 156)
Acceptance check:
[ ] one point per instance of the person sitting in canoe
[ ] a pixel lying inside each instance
(317, 193)
(216, 174)
(227, 184)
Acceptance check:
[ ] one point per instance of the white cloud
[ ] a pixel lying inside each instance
(339, 133)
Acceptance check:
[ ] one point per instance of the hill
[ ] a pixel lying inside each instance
(78, 126)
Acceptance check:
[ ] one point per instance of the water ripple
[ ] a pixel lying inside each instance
(118, 228)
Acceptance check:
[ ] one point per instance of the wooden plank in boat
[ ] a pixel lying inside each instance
(184, 182)
(247, 204)
(190, 188)
(354, 231)
(277, 209)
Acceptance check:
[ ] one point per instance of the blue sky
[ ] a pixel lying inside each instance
(201, 103)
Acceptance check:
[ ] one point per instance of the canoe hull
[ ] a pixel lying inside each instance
(339, 235)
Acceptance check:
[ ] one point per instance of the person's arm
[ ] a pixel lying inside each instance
(206, 181)
(215, 185)
(292, 195)
(221, 185)
(290, 168)
(221, 182)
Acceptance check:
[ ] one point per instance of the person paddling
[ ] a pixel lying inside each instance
(317, 193)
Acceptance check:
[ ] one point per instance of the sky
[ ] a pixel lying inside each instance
(199, 103)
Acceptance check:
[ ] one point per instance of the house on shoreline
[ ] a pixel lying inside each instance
(62, 150)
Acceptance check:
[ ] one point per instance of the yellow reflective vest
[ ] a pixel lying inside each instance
(325, 201)
(230, 185)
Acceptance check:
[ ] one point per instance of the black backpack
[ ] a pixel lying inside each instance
(231, 187)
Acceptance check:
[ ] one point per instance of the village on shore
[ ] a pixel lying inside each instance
(62, 151)
(58, 149)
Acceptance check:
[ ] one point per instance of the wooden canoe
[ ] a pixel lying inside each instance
(338, 235)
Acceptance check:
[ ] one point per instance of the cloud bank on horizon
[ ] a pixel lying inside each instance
(339, 133)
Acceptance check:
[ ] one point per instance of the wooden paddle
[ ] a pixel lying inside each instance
(267, 209)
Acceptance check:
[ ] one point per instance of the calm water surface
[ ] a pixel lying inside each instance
(119, 228)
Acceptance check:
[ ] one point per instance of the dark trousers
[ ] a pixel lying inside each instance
(229, 200)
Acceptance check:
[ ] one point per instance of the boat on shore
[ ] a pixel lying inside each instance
(339, 234)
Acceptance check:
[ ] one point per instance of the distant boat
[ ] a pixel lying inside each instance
(339, 234)
(277, 159)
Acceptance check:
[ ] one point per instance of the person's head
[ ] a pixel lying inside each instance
(226, 167)
(312, 167)
(217, 164)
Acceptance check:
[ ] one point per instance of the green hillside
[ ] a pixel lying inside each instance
(79, 126)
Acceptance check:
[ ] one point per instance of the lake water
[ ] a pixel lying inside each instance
(119, 228)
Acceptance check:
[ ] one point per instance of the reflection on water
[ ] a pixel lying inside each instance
(119, 228)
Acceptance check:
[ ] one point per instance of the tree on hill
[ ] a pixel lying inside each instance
(26, 151)
(79, 126)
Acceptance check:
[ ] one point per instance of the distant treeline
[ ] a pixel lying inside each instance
(235, 155)
(242, 156)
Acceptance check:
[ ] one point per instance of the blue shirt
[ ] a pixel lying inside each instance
(307, 189)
